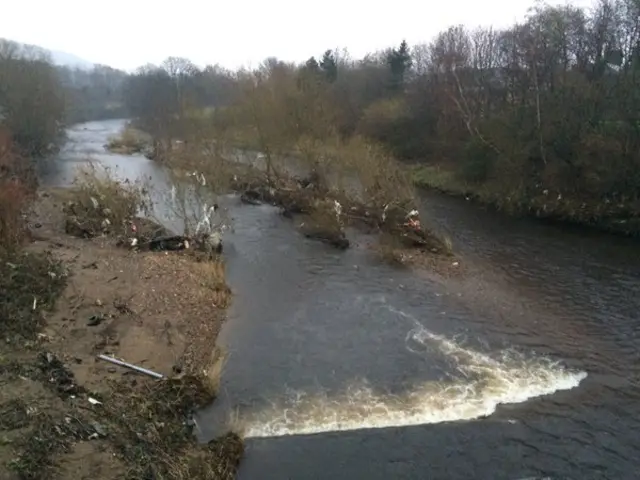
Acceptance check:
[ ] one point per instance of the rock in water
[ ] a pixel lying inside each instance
(251, 197)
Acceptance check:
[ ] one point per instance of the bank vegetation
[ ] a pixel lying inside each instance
(539, 118)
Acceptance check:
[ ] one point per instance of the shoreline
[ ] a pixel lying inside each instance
(64, 413)
(312, 211)
(543, 209)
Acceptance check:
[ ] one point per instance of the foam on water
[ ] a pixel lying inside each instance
(508, 378)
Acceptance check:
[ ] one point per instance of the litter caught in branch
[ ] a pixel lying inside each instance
(131, 366)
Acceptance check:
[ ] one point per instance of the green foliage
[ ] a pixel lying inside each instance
(477, 163)
(329, 66)
(400, 62)
(95, 94)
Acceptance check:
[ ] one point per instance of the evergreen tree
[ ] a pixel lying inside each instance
(329, 66)
(399, 62)
(311, 65)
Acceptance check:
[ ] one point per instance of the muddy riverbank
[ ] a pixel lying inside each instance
(64, 413)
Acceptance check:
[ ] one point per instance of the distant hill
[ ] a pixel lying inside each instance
(65, 59)
(91, 91)
(62, 59)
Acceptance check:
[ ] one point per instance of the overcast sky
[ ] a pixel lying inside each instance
(127, 34)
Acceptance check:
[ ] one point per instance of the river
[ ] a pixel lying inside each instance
(340, 367)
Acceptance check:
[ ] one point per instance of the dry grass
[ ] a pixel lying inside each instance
(101, 203)
(128, 142)
(16, 187)
(146, 423)
(150, 427)
(192, 268)
(381, 179)
(323, 224)
(13, 201)
(212, 276)
(391, 251)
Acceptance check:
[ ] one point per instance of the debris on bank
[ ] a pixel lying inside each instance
(67, 413)
(91, 219)
(323, 214)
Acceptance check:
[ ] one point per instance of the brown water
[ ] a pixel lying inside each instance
(340, 367)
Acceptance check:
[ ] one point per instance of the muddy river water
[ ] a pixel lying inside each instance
(340, 367)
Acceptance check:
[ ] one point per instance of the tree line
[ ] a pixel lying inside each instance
(38, 100)
(548, 108)
(540, 113)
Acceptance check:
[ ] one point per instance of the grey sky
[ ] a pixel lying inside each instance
(126, 34)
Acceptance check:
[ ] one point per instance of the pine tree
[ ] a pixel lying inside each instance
(329, 66)
(312, 65)
(400, 62)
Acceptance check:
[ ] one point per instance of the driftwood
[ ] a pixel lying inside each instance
(206, 243)
(340, 242)
(303, 196)
(251, 197)
(171, 243)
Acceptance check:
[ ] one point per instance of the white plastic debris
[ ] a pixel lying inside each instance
(131, 366)
(93, 401)
(384, 212)
(204, 225)
(95, 203)
(215, 240)
(337, 208)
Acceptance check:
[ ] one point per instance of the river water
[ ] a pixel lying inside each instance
(340, 367)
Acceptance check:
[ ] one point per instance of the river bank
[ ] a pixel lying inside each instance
(63, 413)
(622, 218)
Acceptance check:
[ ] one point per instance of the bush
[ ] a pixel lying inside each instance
(129, 141)
(478, 162)
(101, 203)
(12, 224)
(382, 120)
(382, 179)
(14, 196)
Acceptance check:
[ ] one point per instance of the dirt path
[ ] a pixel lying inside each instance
(158, 310)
